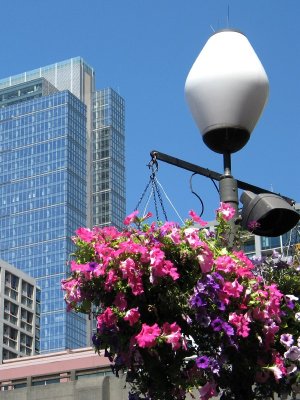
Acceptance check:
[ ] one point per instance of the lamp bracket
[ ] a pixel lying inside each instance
(156, 155)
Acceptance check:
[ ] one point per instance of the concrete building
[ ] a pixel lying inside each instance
(68, 375)
(19, 313)
(61, 167)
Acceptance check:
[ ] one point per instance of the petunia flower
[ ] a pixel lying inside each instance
(202, 362)
(197, 219)
(226, 211)
(172, 334)
(148, 335)
(286, 339)
(130, 218)
(85, 234)
(132, 316)
(293, 353)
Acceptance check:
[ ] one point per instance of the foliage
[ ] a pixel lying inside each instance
(177, 310)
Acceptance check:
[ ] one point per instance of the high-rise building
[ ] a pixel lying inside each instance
(51, 123)
(19, 313)
(108, 181)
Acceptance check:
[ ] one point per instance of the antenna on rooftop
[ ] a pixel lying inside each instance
(228, 16)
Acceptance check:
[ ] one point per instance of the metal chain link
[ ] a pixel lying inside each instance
(160, 199)
(143, 195)
(153, 165)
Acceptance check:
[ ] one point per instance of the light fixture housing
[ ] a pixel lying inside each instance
(267, 214)
(226, 91)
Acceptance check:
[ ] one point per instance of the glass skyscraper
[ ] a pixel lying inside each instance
(53, 180)
(108, 180)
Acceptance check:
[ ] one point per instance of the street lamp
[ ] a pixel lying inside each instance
(226, 90)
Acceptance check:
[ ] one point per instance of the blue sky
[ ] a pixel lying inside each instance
(144, 50)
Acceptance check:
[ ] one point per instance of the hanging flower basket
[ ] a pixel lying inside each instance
(178, 311)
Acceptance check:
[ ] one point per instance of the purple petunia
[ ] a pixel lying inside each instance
(286, 339)
(203, 362)
(197, 301)
(216, 324)
(228, 329)
(293, 353)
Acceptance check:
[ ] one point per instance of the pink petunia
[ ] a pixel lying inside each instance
(278, 369)
(195, 217)
(148, 335)
(244, 259)
(72, 288)
(226, 211)
(192, 237)
(205, 261)
(233, 289)
(174, 235)
(172, 333)
(161, 267)
(132, 316)
(241, 323)
(270, 329)
(225, 263)
(133, 274)
(120, 301)
(85, 234)
(278, 373)
(130, 218)
(106, 319)
(111, 279)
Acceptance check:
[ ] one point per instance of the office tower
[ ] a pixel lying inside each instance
(19, 313)
(43, 199)
(47, 169)
(108, 159)
(76, 76)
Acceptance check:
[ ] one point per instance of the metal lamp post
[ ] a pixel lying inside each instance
(226, 91)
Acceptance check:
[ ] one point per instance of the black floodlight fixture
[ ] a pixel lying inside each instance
(267, 214)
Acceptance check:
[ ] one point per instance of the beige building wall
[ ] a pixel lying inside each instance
(19, 313)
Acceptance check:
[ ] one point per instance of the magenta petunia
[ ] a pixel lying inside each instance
(164, 289)
(241, 323)
(226, 211)
(106, 319)
(120, 301)
(130, 218)
(85, 234)
(148, 335)
(195, 217)
(132, 316)
(172, 334)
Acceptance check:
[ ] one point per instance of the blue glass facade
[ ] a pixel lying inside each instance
(62, 166)
(108, 161)
(43, 201)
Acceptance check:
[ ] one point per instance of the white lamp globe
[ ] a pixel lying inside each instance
(226, 91)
